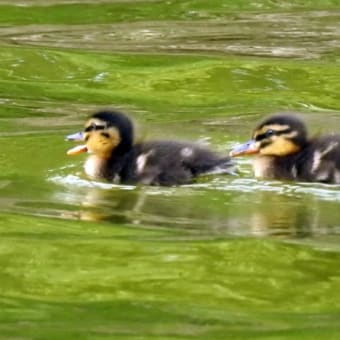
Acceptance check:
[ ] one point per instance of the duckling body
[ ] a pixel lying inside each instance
(283, 151)
(115, 158)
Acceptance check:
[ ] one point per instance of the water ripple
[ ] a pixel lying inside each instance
(310, 34)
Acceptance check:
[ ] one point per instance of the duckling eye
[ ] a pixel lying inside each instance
(269, 133)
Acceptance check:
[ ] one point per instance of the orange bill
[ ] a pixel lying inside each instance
(77, 150)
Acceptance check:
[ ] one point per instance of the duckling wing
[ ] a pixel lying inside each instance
(324, 160)
(203, 161)
(171, 163)
(157, 163)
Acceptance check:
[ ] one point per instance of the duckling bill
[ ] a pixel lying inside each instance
(108, 138)
(283, 150)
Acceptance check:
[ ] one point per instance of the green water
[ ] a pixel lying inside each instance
(225, 257)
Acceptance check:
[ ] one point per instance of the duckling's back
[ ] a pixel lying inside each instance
(172, 163)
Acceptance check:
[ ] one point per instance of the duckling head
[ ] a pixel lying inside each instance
(106, 133)
(278, 136)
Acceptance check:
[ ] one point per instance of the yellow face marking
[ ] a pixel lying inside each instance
(276, 144)
(291, 134)
(280, 146)
(101, 142)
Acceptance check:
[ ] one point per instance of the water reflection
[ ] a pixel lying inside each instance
(215, 208)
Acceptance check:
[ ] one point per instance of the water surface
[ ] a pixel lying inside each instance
(227, 256)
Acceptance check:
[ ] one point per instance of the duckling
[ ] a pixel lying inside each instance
(284, 151)
(114, 156)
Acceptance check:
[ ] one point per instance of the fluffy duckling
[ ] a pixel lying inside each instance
(108, 137)
(284, 151)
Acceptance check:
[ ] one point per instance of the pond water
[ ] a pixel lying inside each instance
(227, 256)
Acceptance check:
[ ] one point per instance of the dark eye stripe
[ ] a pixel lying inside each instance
(276, 133)
(105, 134)
(94, 127)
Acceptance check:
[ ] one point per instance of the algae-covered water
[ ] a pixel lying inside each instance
(226, 257)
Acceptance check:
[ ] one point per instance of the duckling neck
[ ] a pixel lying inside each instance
(95, 166)
(263, 166)
(286, 167)
(104, 168)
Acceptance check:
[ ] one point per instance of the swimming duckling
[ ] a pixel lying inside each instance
(108, 137)
(284, 151)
